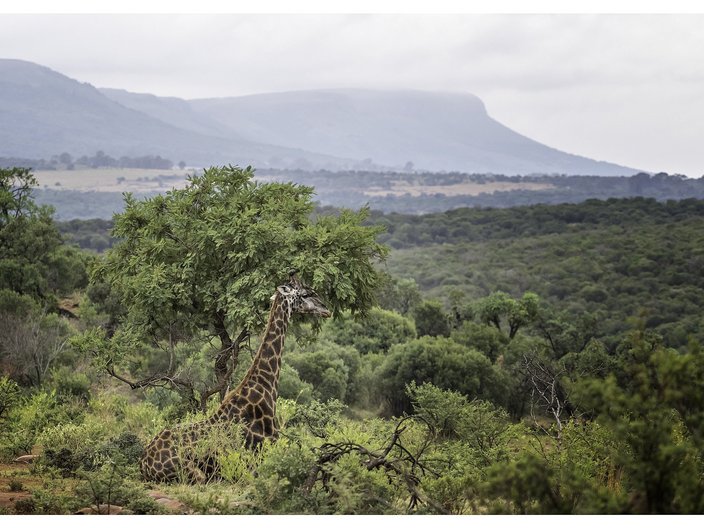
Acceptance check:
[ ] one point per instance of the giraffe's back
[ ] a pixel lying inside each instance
(175, 455)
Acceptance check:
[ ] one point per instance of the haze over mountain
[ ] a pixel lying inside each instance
(43, 113)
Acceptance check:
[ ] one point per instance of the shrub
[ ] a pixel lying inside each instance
(127, 446)
(27, 421)
(115, 483)
(375, 333)
(437, 360)
(9, 396)
(284, 469)
(15, 485)
(354, 489)
(292, 387)
(63, 459)
(25, 506)
(325, 369)
(117, 414)
(70, 384)
(317, 417)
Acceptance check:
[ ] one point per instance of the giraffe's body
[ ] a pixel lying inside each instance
(173, 453)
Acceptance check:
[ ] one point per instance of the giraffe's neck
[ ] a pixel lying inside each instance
(267, 361)
(263, 375)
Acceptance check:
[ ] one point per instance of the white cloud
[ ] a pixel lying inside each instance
(625, 88)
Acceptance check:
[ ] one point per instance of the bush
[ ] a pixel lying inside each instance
(70, 446)
(15, 485)
(9, 396)
(115, 483)
(127, 447)
(63, 459)
(483, 428)
(292, 387)
(117, 414)
(27, 421)
(325, 369)
(284, 469)
(431, 319)
(376, 333)
(317, 418)
(440, 361)
(25, 506)
(70, 384)
(354, 489)
(57, 497)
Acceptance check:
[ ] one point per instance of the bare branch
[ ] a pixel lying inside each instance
(546, 391)
(329, 453)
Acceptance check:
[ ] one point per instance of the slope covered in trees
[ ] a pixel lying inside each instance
(603, 261)
(535, 360)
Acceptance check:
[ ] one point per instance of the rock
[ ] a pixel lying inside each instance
(26, 459)
(156, 494)
(172, 505)
(104, 509)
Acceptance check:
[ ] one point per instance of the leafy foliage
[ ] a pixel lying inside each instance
(595, 264)
(33, 261)
(437, 360)
(208, 257)
(375, 333)
(506, 401)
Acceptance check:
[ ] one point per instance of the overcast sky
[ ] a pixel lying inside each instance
(622, 88)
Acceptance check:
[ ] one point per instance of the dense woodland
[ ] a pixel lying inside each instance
(536, 359)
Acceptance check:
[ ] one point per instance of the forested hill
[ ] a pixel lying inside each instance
(614, 259)
(605, 261)
(481, 224)
(543, 359)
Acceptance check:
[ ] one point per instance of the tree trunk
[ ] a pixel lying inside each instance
(221, 360)
(229, 349)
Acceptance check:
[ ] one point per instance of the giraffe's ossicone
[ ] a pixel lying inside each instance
(183, 453)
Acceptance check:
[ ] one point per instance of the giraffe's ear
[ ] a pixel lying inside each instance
(283, 290)
(293, 279)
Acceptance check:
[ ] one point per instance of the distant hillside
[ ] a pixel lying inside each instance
(434, 131)
(44, 113)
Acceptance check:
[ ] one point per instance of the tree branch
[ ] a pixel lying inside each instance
(329, 453)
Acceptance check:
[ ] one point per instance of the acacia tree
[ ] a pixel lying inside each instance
(499, 307)
(28, 236)
(207, 258)
(34, 261)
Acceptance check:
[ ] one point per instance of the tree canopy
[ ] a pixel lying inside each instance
(33, 261)
(207, 258)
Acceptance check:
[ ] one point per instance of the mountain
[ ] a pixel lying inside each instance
(43, 113)
(434, 131)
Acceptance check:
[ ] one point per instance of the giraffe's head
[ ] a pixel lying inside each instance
(301, 298)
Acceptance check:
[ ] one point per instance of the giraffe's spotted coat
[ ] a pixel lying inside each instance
(173, 454)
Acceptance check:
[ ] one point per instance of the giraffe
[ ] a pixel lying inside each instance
(172, 454)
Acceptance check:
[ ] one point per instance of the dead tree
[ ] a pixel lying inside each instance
(547, 393)
(394, 458)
